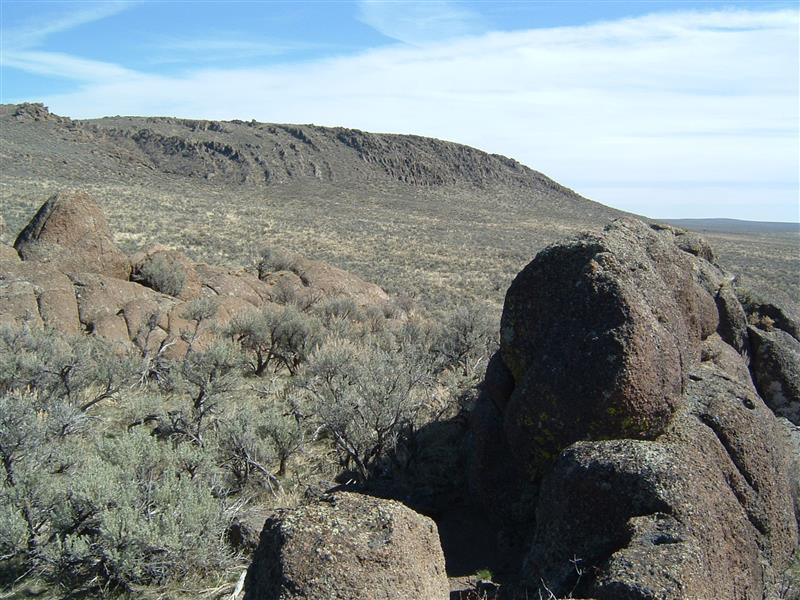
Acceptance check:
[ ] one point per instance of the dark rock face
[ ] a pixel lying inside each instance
(71, 231)
(595, 332)
(780, 316)
(653, 467)
(701, 512)
(348, 546)
(732, 320)
(791, 435)
(776, 371)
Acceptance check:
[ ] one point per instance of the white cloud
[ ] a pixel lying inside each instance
(55, 64)
(420, 22)
(683, 114)
(20, 43)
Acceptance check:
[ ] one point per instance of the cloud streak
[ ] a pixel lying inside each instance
(36, 31)
(225, 47)
(420, 22)
(610, 108)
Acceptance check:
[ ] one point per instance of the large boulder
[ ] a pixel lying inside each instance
(116, 310)
(71, 232)
(703, 511)
(652, 466)
(595, 332)
(348, 546)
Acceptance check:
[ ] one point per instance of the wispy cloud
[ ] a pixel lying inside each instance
(71, 15)
(55, 64)
(224, 46)
(695, 97)
(420, 22)
(21, 43)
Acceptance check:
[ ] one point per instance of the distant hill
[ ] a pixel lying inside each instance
(423, 217)
(256, 155)
(435, 220)
(734, 225)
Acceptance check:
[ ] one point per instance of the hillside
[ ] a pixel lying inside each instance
(417, 215)
(422, 217)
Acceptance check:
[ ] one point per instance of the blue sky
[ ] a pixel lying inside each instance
(667, 109)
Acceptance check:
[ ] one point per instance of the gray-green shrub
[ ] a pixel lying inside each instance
(277, 336)
(161, 273)
(366, 397)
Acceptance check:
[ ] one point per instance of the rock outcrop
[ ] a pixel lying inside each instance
(67, 274)
(348, 546)
(653, 467)
(621, 309)
(71, 231)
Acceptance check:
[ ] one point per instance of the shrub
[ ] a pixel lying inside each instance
(161, 273)
(207, 375)
(274, 335)
(256, 439)
(367, 397)
(277, 259)
(101, 513)
(467, 337)
(199, 311)
(84, 370)
(342, 308)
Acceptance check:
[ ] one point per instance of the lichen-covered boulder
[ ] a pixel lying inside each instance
(71, 232)
(595, 332)
(348, 546)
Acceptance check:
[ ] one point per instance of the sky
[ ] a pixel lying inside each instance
(679, 109)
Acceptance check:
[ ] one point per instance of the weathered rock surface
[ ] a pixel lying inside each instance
(8, 254)
(776, 370)
(71, 231)
(655, 468)
(595, 333)
(38, 294)
(758, 308)
(350, 546)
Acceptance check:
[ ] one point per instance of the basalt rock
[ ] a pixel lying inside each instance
(776, 371)
(72, 278)
(652, 467)
(595, 332)
(348, 546)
